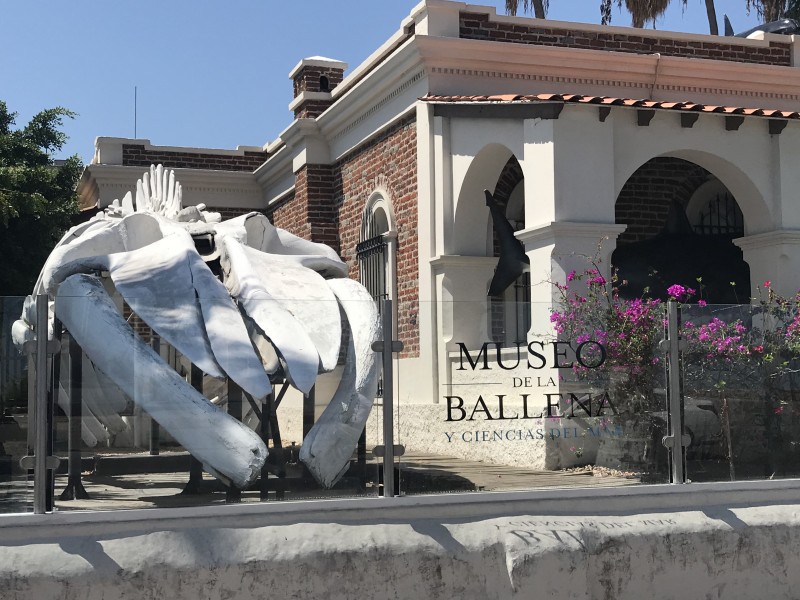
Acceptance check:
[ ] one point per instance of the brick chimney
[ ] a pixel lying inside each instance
(314, 79)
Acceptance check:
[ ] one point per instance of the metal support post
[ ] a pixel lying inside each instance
(54, 374)
(233, 495)
(264, 429)
(271, 432)
(40, 412)
(195, 482)
(74, 489)
(155, 430)
(361, 460)
(31, 429)
(676, 440)
(309, 400)
(41, 479)
(388, 346)
(277, 444)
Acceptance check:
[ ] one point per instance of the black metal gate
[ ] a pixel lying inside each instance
(372, 261)
(373, 257)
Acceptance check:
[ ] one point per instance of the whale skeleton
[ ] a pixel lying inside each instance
(279, 310)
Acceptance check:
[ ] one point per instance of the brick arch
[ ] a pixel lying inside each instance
(645, 198)
(643, 205)
(735, 173)
(510, 177)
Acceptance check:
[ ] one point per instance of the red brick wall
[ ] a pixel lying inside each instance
(307, 80)
(310, 213)
(644, 201)
(393, 157)
(329, 202)
(289, 214)
(476, 26)
(136, 155)
(311, 109)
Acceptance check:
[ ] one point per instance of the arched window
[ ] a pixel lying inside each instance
(712, 210)
(376, 250)
(376, 253)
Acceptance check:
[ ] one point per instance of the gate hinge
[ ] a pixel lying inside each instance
(397, 346)
(380, 451)
(29, 462)
(669, 440)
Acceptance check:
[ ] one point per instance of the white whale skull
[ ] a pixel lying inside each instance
(280, 309)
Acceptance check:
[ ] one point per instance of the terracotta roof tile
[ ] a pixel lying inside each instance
(612, 101)
(504, 97)
(548, 97)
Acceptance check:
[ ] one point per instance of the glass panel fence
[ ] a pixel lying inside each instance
(575, 399)
(16, 484)
(741, 388)
(165, 404)
(158, 404)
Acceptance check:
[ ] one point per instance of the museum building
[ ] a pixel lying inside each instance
(588, 137)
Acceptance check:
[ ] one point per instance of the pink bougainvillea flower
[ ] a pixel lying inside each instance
(767, 283)
(680, 293)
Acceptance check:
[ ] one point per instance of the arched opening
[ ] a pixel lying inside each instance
(472, 224)
(681, 222)
(510, 315)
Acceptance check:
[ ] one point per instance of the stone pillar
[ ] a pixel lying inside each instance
(462, 309)
(556, 249)
(773, 256)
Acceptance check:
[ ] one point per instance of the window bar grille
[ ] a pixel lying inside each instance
(372, 256)
(721, 217)
(522, 299)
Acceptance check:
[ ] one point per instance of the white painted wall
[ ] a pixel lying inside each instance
(736, 542)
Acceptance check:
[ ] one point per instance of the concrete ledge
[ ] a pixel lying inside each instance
(694, 541)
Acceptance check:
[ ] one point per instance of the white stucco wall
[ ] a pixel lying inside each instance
(736, 542)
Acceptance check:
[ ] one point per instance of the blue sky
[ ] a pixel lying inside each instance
(208, 73)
